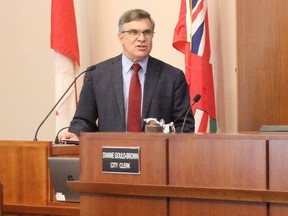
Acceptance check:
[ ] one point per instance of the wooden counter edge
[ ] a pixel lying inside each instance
(181, 192)
(41, 209)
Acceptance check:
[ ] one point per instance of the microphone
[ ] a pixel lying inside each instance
(57, 140)
(88, 69)
(195, 100)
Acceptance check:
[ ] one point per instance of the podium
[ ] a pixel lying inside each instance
(153, 171)
(185, 174)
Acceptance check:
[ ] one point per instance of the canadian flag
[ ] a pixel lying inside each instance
(64, 42)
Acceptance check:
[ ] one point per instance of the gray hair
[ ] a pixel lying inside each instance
(132, 15)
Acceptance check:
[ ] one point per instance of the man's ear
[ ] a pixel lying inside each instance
(120, 37)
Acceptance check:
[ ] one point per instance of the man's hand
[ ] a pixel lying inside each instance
(67, 135)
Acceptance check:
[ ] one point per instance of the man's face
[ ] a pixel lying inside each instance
(136, 47)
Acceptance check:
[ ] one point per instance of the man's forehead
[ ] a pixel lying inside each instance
(143, 23)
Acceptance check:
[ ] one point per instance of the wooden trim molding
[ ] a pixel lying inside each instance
(170, 191)
(41, 209)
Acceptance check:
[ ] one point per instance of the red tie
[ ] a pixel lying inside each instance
(134, 105)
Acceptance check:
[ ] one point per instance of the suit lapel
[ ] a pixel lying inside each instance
(117, 84)
(151, 79)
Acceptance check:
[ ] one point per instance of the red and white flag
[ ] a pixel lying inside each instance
(64, 42)
(191, 37)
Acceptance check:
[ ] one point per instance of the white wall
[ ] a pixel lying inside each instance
(26, 66)
(27, 78)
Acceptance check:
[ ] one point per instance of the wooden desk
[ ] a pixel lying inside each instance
(210, 174)
(23, 167)
(181, 174)
(25, 176)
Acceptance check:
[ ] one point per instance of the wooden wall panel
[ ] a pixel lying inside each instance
(1, 198)
(278, 151)
(262, 32)
(217, 163)
(24, 172)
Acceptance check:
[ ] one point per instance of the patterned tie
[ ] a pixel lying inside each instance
(134, 105)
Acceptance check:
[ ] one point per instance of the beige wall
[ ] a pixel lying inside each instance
(26, 66)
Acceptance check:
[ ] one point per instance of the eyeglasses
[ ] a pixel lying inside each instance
(135, 34)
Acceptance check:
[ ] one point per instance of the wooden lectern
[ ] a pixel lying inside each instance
(185, 174)
(153, 171)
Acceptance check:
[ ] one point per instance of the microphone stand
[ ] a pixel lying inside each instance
(195, 100)
(88, 69)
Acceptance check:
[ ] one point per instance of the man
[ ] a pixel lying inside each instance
(104, 99)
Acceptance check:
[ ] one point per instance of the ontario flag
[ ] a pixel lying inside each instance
(64, 42)
(191, 37)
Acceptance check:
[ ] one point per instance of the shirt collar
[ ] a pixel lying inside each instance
(127, 63)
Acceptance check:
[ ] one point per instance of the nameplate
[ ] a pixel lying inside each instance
(121, 160)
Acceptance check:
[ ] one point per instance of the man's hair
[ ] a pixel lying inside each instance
(132, 15)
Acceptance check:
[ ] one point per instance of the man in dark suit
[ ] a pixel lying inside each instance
(104, 98)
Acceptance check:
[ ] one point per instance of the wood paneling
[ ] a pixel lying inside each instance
(153, 163)
(262, 63)
(207, 174)
(24, 173)
(183, 193)
(153, 169)
(1, 199)
(42, 210)
(278, 151)
(221, 163)
(217, 162)
(24, 167)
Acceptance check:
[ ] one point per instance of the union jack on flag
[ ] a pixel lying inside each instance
(191, 37)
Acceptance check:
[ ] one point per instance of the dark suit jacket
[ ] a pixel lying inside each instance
(165, 97)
